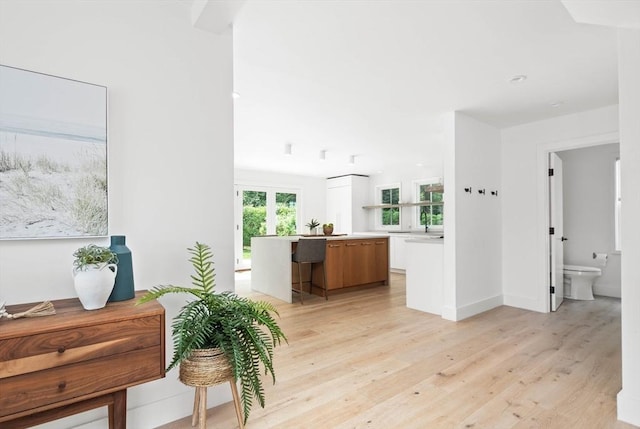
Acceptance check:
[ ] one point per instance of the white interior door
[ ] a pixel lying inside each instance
(556, 239)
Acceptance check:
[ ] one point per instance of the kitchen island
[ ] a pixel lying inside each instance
(351, 261)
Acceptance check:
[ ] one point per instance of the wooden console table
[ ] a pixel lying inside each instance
(76, 360)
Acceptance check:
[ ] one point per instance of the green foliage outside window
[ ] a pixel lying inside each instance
(430, 215)
(254, 215)
(254, 198)
(254, 223)
(391, 215)
(286, 223)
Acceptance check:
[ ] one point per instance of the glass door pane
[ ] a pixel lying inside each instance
(254, 221)
(286, 213)
(262, 211)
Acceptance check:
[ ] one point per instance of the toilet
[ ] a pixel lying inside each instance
(578, 281)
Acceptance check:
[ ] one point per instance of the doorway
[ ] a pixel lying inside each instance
(543, 210)
(590, 207)
(263, 211)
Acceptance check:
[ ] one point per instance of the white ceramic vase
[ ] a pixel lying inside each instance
(94, 284)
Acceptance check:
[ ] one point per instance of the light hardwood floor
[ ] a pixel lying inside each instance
(364, 360)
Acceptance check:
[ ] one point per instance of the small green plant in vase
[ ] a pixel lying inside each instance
(312, 225)
(94, 274)
(93, 255)
(241, 331)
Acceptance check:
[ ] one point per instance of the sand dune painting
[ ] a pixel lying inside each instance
(53, 156)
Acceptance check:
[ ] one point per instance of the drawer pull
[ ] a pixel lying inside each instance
(351, 244)
(366, 244)
(334, 245)
(61, 349)
(62, 385)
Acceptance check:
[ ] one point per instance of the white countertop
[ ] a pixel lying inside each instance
(294, 238)
(411, 236)
(434, 240)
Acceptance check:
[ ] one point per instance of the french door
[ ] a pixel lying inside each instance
(263, 211)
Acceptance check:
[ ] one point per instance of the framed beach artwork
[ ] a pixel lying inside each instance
(53, 156)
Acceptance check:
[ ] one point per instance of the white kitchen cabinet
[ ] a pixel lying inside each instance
(346, 195)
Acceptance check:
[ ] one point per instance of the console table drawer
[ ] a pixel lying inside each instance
(77, 360)
(38, 389)
(41, 351)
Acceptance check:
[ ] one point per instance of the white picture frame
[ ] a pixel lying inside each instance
(53, 156)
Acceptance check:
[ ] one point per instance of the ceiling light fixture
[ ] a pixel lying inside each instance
(352, 160)
(287, 149)
(323, 155)
(518, 79)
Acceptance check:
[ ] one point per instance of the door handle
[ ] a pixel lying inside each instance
(563, 239)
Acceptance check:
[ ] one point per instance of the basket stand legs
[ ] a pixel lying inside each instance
(200, 406)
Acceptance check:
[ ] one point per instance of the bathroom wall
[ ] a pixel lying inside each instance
(589, 197)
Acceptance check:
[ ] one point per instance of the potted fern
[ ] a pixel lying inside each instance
(241, 332)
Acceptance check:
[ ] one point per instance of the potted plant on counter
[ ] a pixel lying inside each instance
(94, 274)
(327, 228)
(220, 337)
(312, 225)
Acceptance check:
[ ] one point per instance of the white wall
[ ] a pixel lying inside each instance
(524, 207)
(475, 228)
(170, 155)
(629, 89)
(589, 211)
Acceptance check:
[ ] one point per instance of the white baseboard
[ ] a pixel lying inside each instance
(607, 290)
(478, 307)
(152, 415)
(449, 313)
(466, 311)
(628, 408)
(524, 303)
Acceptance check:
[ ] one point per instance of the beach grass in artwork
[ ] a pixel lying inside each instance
(53, 171)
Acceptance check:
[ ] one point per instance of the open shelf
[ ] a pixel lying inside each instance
(386, 206)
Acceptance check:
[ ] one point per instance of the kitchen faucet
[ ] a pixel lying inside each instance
(423, 217)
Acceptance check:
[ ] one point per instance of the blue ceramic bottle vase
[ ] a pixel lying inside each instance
(123, 288)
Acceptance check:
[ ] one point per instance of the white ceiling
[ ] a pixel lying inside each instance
(373, 78)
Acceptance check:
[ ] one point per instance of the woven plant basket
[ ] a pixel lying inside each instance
(205, 367)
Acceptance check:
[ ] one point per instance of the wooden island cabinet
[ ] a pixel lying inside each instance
(77, 360)
(366, 261)
(334, 259)
(350, 261)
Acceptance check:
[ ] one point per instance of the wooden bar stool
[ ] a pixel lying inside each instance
(311, 251)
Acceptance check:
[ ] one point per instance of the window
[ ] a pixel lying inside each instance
(389, 216)
(618, 207)
(429, 215)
